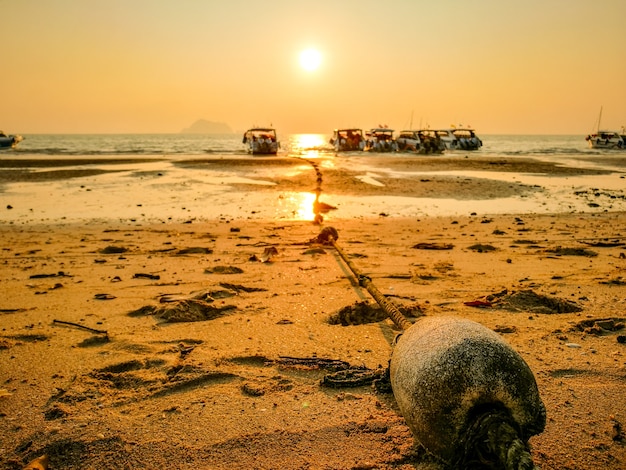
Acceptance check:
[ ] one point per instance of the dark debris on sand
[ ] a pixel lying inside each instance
(363, 312)
(530, 301)
(189, 310)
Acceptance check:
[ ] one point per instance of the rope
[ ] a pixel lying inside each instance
(328, 235)
(492, 441)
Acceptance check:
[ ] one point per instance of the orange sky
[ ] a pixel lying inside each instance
(135, 66)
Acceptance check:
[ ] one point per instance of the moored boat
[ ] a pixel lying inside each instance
(424, 142)
(261, 141)
(460, 139)
(409, 141)
(9, 141)
(346, 140)
(431, 142)
(380, 139)
(606, 140)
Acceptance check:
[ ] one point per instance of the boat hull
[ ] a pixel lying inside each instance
(344, 146)
(263, 149)
(9, 141)
(463, 144)
(606, 141)
(381, 147)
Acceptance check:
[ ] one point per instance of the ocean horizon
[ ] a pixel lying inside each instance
(231, 144)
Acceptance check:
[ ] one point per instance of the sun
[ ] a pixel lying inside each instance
(310, 59)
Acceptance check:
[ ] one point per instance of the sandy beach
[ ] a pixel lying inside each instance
(188, 341)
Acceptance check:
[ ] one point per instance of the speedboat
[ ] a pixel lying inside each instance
(424, 141)
(7, 141)
(261, 141)
(346, 140)
(460, 139)
(409, 141)
(431, 142)
(606, 140)
(380, 139)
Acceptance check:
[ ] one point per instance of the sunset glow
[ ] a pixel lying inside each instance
(310, 59)
(310, 67)
(304, 142)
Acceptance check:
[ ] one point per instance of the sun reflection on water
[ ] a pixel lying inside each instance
(309, 145)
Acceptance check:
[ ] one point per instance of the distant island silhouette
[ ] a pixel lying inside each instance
(202, 126)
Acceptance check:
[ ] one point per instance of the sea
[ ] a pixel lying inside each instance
(138, 178)
(231, 144)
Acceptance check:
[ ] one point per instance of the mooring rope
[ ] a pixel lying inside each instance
(493, 441)
(329, 235)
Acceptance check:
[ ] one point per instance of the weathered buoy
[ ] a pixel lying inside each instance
(468, 397)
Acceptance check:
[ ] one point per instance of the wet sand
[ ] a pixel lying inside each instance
(165, 190)
(204, 342)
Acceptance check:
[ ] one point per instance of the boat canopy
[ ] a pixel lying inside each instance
(348, 132)
(259, 133)
(381, 132)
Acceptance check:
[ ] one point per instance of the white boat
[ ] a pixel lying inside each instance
(346, 140)
(460, 139)
(424, 141)
(380, 139)
(409, 141)
(11, 141)
(606, 139)
(261, 141)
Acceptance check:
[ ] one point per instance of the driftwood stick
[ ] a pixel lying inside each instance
(77, 325)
